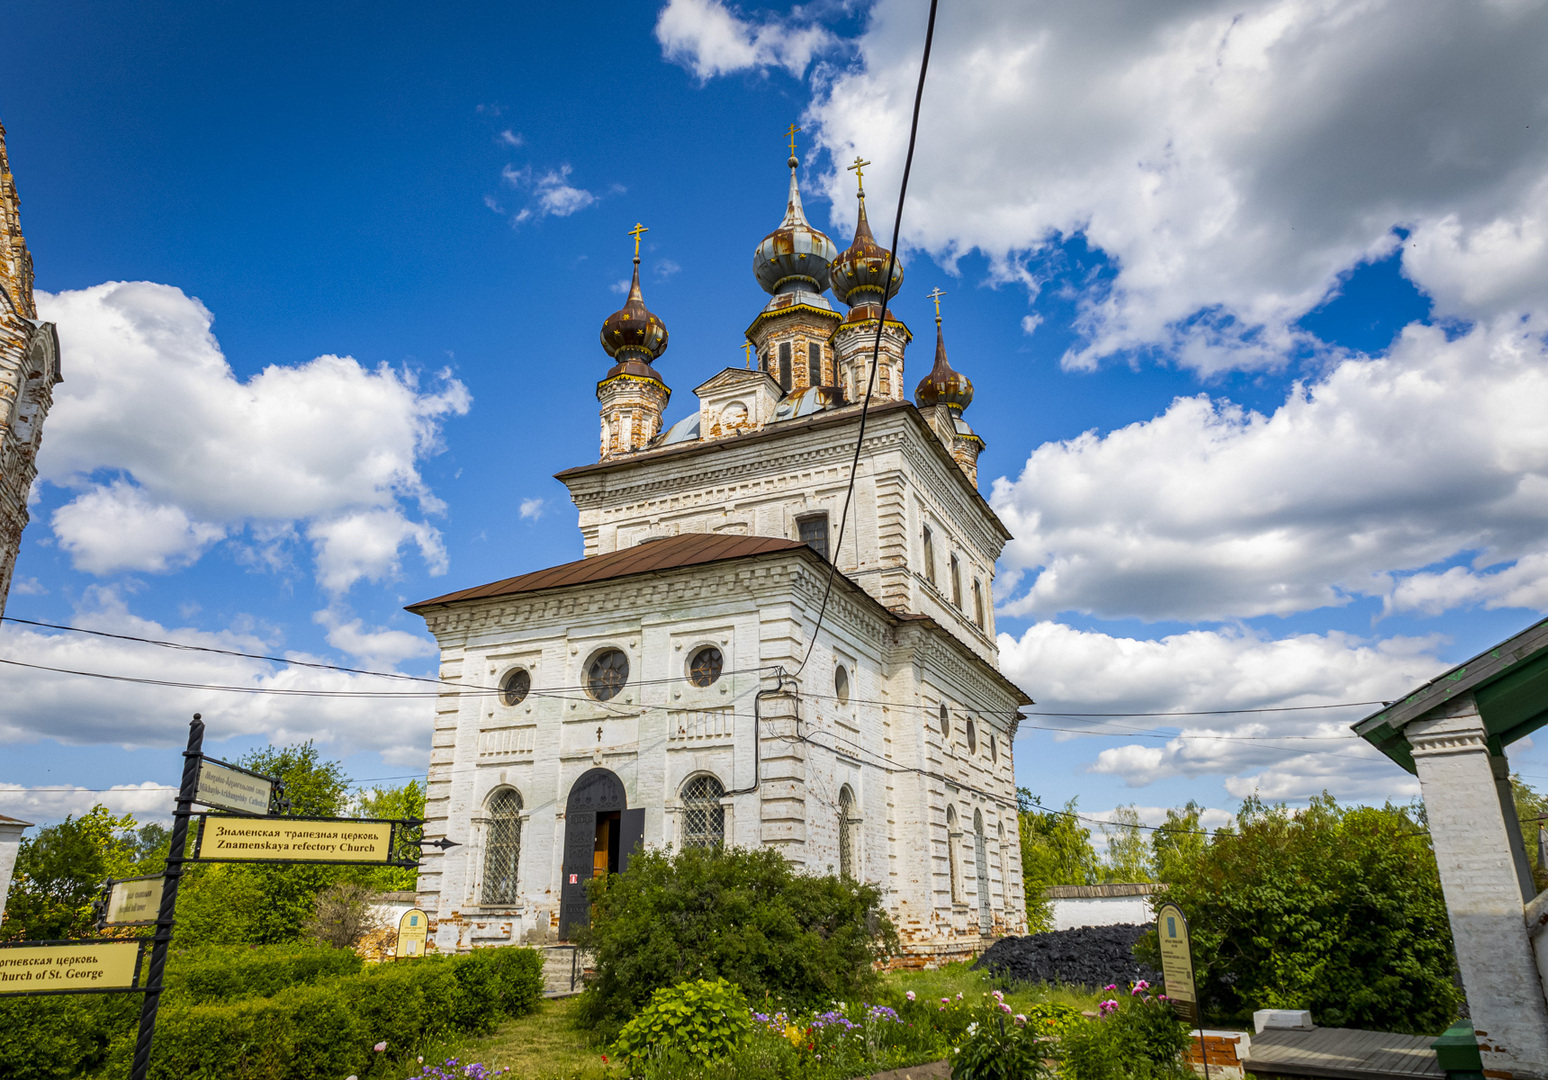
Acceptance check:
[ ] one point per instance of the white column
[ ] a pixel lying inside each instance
(1483, 892)
(10, 843)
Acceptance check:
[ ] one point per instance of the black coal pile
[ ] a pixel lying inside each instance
(1086, 956)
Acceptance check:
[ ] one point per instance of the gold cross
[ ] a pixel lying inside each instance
(747, 353)
(635, 232)
(936, 296)
(858, 169)
(791, 134)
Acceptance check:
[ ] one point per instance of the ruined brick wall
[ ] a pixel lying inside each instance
(29, 368)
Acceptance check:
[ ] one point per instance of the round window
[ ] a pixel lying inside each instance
(972, 738)
(606, 675)
(841, 684)
(945, 721)
(513, 691)
(705, 666)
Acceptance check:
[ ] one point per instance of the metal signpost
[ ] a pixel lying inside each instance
(70, 967)
(134, 901)
(1177, 970)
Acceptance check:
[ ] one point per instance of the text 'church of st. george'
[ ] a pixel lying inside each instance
(703, 677)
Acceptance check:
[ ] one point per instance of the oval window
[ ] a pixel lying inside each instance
(945, 721)
(841, 684)
(705, 666)
(606, 675)
(516, 686)
(972, 737)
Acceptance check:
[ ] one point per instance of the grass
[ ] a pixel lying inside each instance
(551, 1045)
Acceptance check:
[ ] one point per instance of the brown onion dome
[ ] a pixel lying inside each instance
(634, 333)
(943, 386)
(794, 257)
(861, 271)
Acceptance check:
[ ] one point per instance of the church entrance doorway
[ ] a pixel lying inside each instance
(601, 833)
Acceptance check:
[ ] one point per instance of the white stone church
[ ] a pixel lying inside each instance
(697, 680)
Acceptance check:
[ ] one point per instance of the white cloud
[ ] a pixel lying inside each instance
(170, 451)
(1233, 158)
(512, 138)
(44, 804)
(532, 509)
(552, 193)
(1379, 468)
(77, 710)
(378, 648)
(366, 544)
(709, 38)
(22, 585)
(1283, 754)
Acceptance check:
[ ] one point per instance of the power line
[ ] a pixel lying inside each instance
(890, 265)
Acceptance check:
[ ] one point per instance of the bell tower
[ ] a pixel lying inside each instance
(633, 395)
(29, 369)
(865, 276)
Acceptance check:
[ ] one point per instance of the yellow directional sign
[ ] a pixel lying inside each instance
(412, 931)
(1177, 961)
(134, 901)
(279, 839)
(74, 966)
(232, 789)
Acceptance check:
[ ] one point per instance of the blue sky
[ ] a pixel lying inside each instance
(1253, 302)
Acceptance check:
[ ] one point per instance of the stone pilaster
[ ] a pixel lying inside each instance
(1459, 779)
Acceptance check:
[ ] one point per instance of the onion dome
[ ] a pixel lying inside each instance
(943, 386)
(860, 272)
(794, 257)
(634, 333)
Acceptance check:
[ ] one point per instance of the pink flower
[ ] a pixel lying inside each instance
(1004, 1007)
(1021, 1020)
(1162, 997)
(959, 995)
(381, 1046)
(1110, 986)
(1142, 985)
(909, 995)
(1108, 1007)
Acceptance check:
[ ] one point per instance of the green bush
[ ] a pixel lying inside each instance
(994, 1049)
(52, 1038)
(1334, 909)
(742, 915)
(698, 1019)
(230, 972)
(1138, 1037)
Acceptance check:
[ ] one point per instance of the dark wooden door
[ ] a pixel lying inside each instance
(598, 791)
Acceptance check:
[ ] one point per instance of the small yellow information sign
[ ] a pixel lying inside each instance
(277, 839)
(232, 789)
(413, 929)
(1177, 961)
(93, 965)
(134, 902)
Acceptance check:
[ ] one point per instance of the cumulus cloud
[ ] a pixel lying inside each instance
(1380, 468)
(378, 648)
(169, 452)
(1232, 159)
(1282, 754)
(709, 38)
(552, 194)
(76, 710)
(41, 805)
(532, 509)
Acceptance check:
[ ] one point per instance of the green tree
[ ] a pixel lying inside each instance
(315, 787)
(1532, 812)
(1055, 850)
(1333, 909)
(407, 801)
(1128, 852)
(1178, 841)
(60, 871)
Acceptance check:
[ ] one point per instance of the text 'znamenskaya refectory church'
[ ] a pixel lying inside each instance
(676, 687)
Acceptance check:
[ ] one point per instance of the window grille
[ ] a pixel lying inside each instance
(704, 819)
(814, 364)
(502, 849)
(516, 686)
(705, 666)
(784, 366)
(847, 832)
(607, 673)
(814, 533)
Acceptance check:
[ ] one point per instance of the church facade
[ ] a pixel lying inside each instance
(29, 369)
(725, 665)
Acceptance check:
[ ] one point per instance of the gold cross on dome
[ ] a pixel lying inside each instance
(858, 169)
(936, 296)
(635, 232)
(747, 353)
(791, 134)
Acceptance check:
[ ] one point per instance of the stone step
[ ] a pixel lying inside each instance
(562, 970)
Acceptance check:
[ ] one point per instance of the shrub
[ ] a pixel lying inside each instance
(44, 1038)
(742, 915)
(1137, 1037)
(345, 913)
(698, 1019)
(230, 972)
(994, 1049)
(1333, 909)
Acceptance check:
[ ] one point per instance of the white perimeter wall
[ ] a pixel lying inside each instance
(1100, 911)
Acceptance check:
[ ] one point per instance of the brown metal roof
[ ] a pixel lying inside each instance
(13, 821)
(670, 553)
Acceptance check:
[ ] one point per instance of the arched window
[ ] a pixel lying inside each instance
(514, 690)
(502, 848)
(981, 864)
(945, 721)
(956, 582)
(841, 684)
(929, 555)
(994, 749)
(953, 835)
(704, 819)
(846, 832)
(784, 366)
(814, 364)
(972, 737)
(978, 603)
